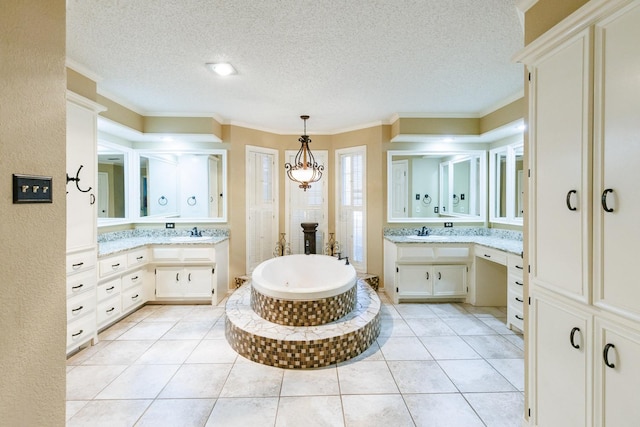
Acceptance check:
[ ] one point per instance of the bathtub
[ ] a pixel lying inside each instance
(303, 290)
(303, 277)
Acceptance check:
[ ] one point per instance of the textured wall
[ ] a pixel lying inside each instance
(32, 254)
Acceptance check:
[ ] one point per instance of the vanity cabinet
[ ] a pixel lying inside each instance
(425, 271)
(515, 292)
(585, 144)
(184, 282)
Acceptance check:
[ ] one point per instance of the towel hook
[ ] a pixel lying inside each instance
(77, 180)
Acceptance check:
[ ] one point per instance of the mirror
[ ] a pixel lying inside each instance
(113, 163)
(428, 186)
(506, 184)
(185, 185)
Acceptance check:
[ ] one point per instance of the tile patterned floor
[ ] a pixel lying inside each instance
(432, 365)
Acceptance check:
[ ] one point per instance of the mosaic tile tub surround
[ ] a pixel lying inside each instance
(299, 347)
(301, 312)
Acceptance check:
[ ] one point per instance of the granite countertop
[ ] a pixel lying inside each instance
(113, 243)
(504, 240)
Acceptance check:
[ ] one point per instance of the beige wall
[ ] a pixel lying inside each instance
(32, 255)
(545, 14)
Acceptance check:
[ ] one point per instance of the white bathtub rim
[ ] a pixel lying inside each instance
(263, 286)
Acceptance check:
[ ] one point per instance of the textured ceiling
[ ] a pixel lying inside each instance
(346, 63)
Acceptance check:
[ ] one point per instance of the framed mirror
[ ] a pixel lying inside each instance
(183, 186)
(506, 184)
(114, 162)
(428, 186)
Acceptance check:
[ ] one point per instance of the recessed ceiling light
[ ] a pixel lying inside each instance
(221, 68)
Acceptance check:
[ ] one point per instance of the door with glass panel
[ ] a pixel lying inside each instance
(351, 219)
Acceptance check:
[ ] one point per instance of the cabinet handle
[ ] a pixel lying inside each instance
(92, 199)
(519, 318)
(78, 333)
(110, 289)
(133, 279)
(519, 267)
(487, 256)
(77, 309)
(78, 265)
(604, 200)
(135, 296)
(571, 338)
(177, 277)
(427, 275)
(115, 266)
(77, 287)
(571, 208)
(189, 278)
(139, 258)
(519, 300)
(605, 354)
(111, 309)
(519, 283)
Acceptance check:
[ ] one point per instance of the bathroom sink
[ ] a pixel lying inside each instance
(427, 238)
(188, 239)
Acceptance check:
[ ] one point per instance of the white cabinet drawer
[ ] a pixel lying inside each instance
(132, 297)
(515, 299)
(198, 254)
(132, 279)
(80, 261)
(516, 283)
(461, 252)
(108, 310)
(108, 289)
(112, 265)
(166, 254)
(79, 331)
(490, 254)
(515, 316)
(81, 282)
(416, 251)
(137, 257)
(80, 305)
(515, 264)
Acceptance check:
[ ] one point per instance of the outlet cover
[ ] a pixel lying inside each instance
(169, 225)
(448, 224)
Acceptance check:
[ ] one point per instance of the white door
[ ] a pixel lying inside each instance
(449, 280)
(306, 206)
(560, 197)
(351, 206)
(103, 195)
(262, 205)
(617, 164)
(399, 179)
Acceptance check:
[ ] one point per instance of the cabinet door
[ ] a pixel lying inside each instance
(617, 164)
(168, 282)
(560, 180)
(414, 281)
(199, 282)
(449, 280)
(617, 386)
(559, 370)
(81, 151)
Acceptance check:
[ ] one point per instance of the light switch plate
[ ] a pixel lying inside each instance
(32, 189)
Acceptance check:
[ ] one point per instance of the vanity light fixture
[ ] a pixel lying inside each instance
(304, 169)
(222, 69)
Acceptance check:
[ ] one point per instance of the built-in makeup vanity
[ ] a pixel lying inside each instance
(480, 266)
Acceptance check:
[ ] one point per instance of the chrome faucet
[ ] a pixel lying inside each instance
(195, 232)
(347, 258)
(423, 232)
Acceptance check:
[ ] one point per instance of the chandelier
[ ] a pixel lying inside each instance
(304, 169)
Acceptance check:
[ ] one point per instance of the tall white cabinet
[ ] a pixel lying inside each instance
(81, 148)
(584, 233)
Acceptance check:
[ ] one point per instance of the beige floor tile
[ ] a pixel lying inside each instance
(468, 326)
(109, 413)
(253, 380)
(189, 330)
(197, 381)
(86, 353)
(475, 376)
(177, 413)
(442, 410)
(498, 324)
(139, 382)
(244, 412)
(147, 331)
(317, 411)
(493, 347)
(310, 382)
(85, 382)
(420, 377)
(217, 331)
(169, 313)
(368, 377)
(74, 406)
(498, 409)
(449, 347)
(403, 348)
(392, 327)
(445, 310)
(120, 353)
(115, 330)
(511, 369)
(421, 311)
(429, 327)
(376, 411)
(169, 352)
(213, 351)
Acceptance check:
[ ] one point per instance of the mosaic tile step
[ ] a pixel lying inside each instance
(299, 347)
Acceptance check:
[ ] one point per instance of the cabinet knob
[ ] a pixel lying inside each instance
(572, 336)
(605, 355)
